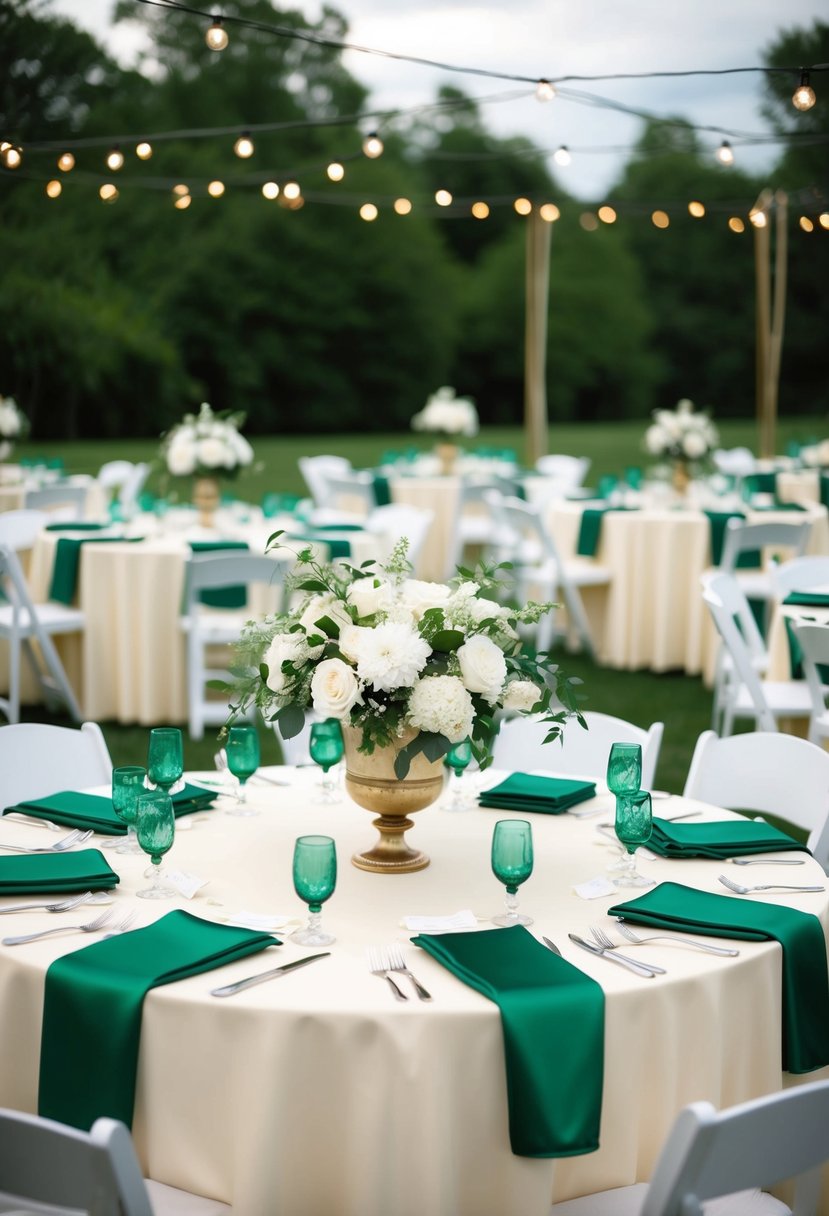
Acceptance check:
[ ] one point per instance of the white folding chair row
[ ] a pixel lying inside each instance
(472, 524)
(63, 502)
(520, 745)
(568, 472)
(734, 462)
(317, 470)
(814, 645)
(352, 493)
(398, 519)
(742, 537)
(126, 479)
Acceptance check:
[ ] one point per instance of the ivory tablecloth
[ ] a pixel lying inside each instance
(319, 1093)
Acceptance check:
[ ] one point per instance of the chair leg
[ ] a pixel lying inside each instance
(578, 617)
(57, 680)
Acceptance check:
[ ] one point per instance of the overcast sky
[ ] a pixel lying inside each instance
(543, 38)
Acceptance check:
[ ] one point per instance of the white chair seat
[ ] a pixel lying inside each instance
(217, 626)
(53, 618)
(783, 697)
(628, 1201)
(755, 584)
(169, 1201)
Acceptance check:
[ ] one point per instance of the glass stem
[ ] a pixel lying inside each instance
(242, 792)
(511, 901)
(314, 917)
(630, 862)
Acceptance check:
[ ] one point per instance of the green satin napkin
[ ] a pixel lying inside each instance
(92, 1010)
(590, 529)
(44, 873)
(336, 547)
(725, 838)
(759, 483)
(547, 795)
(552, 1016)
(221, 597)
(382, 490)
(808, 599)
(805, 978)
(77, 810)
(67, 560)
(78, 525)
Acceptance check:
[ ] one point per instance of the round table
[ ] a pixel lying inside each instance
(321, 1093)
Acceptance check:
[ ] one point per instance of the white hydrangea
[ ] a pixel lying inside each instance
(391, 656)
(681, 433)
(446, 414)
(11, 419)
(206, 443)
(442, 705)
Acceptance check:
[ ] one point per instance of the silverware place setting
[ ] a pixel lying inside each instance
(103, 921)
(693, 943)
(763, 886)
(608, 952)
(766, 861)
(263, 976)
(63, 905)
(60, 846)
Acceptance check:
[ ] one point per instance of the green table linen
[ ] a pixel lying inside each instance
(591, 527)
(552, 1016)
(337, 546)
(382, 489)
(546, 795)
(726, 838)
(221, 597)
(808, 599)
(77, 810)
(805, 978)
(47, 873)
(92, 1009)
(77, 525)
(67, 560)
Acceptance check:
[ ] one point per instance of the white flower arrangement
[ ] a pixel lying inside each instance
(446, 414)
(386, 653)
(206, 445)
(13, 425)
(681, 433)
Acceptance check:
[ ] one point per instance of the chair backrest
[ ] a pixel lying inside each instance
(568, 471)
(800, 574)
(710, 1153)
(737, 627)
(741, 537)
(583, 753)
(228, 568)
(776, 774)
(37, 759)
(317, 469)
(814, 645)
(61, 1169)
(133, 485)
(736, 462)
(397, 519)
(356, 489)
(70, 501)
(19, 529)
(113, 474)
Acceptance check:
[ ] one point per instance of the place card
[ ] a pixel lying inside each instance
(595, 888)
(442, 924)
(186, 884)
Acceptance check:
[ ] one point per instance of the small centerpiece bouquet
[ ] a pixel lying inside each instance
(14, 425)
(446, 415)
(682, 434)
(206, 445)
(389, 655)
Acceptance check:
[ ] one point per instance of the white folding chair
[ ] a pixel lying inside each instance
(206, 627)
(19, 529)
(37, 759)
(734, 462)
(775, 774)
(727, 1156)
(50, 1169)
(799, 574)
(351, 493)
(519, 745)
(21, 623)
(398, 519)
(472, 525)
(316, 471)
(740, 692)
(65, 502)
(568, 472)
(814, 644)
(742, 537)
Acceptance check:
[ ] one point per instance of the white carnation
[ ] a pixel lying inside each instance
(521, 696)
(334, 689)
(483, 666)
(441, 705)
(391, 656)
(370, 595)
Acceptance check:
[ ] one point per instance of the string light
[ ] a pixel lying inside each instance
(108, 192)
(291, 190)
(215, 189)
(757, 218)
(335, 171)
(372, 146)
(443, 198)
(725, 153)
(402, 206)
(660, 219)
(549, 212)
(182, 202)
(544, 91)
(368, 212)
(243, 146)
(216, 36)
(293, 204)
(66, 162)
(806, 224)
(607, 215)
(562, 156)
(115, 159)
(53, 189)
(480, 210)
(180, 191)
(736, 224)
(522, 206)
(271, 190)
(588, 221)
(696, 209)
(143, 150)
(803, 97)
(11, 156)
(823, 219)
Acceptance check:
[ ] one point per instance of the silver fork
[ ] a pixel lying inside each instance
(91, 926)
(32, 820)
(763, 886)
(766, 861)
(376, 965)
(64, 905)
(77, 836)
(396, 962)
(602, 939)
(638, 940)
(122, 925)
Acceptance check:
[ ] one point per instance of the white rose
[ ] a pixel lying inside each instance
(349, 641)
(521, 696)
(285, 647)
(655, 440)
(211, 453)
(181, 455)
(483, 666)
(694, 445)
(419, 597)
(320, 606)
(334, 689)
(369, 596)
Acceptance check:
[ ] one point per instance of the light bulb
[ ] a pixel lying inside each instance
(544, 91)
(216, 189)
(725, 153)
(216, 36)
(182, 202)
(108, 192)
(549, 212)
(480, 210)
(243, 146)
(588, 221)
(562, 156)
(803, 97)
(823, 219)
(115, 159)
(660, 219)
(66, 161)
(696, 209)
(180, 191)
(270, 190)
(291, 190)
(443, 198)
(402, 206)
(372, 146)
(736, 224)
(806, 224)
(143, 150)
(12, 157)
(607, 214)
(53, 189)
(523, 206)
(368, 212)
(335, 172)
(758, 218)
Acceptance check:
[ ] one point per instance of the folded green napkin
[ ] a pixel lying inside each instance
(552, 1016)
(805, 978)
(547, 795)
(76, 526)
(725, 838)
(808, 599)
(590, 529)
(67, 559)
(92, 1009)
(221, 597)
(44, 873)
(336, 547)
(76, 810)
(759, 483)
(382, 490)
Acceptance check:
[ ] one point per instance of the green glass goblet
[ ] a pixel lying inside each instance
(634, 824)
(624, 768)
(243, 761)
(165, 757)
(512, 864)
(156, 828)
(127, 787)
(315, 877)
(458, 759)
(326, 748)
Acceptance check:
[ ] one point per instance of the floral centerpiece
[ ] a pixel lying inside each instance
(206, 446)
(14, 425)
(448, 417)
(682, 435)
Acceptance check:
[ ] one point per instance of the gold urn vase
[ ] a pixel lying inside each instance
(681, 477)
(447, 454)
(371, 782)
(206, 500)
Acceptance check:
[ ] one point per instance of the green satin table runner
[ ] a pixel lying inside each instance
(726, 838)
(591, 527)
(808, 599)
(77, 525)
(221, 597)
(67, 561)
(805, 978)
(552, 1016)
(546, 795)
(78, 810)
(44, 873)
(382, 489)
(93, 1003)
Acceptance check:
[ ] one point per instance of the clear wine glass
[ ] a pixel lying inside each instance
(326, 748)
(156, 828)
(315, 877)
(127, 787)
(243, 761)
(165, 757)
(458, 759)
(634, 823)
(512, 864)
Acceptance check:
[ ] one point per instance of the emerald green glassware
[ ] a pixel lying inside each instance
(624, 768)
(512, 864)
(458, 759)
(326, 748)
(165, 757)
(156, 828)
(127, 786)
(243, 761)
(634, 824)
(315, 877)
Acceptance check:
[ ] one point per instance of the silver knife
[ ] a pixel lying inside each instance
(241, 985)
(622, 959)
(551, 946)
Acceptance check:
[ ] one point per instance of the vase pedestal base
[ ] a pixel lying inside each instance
(392, 853)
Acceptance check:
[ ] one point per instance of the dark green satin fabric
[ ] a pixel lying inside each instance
(221, 597)
(67, 561)
(76, 810)
(92, 1010)
(552, 1016)
(805, 978)
(546, 795)
(591, 527)
(728, 838)
(47, 873)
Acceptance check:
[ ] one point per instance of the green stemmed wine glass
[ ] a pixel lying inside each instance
(634, 823)
(512, 864)
(315, 877)
(156, 828)
(624, 776)
(165, 757)
(326, 748)
(127, 787)
(458, 759)
(243, 761)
